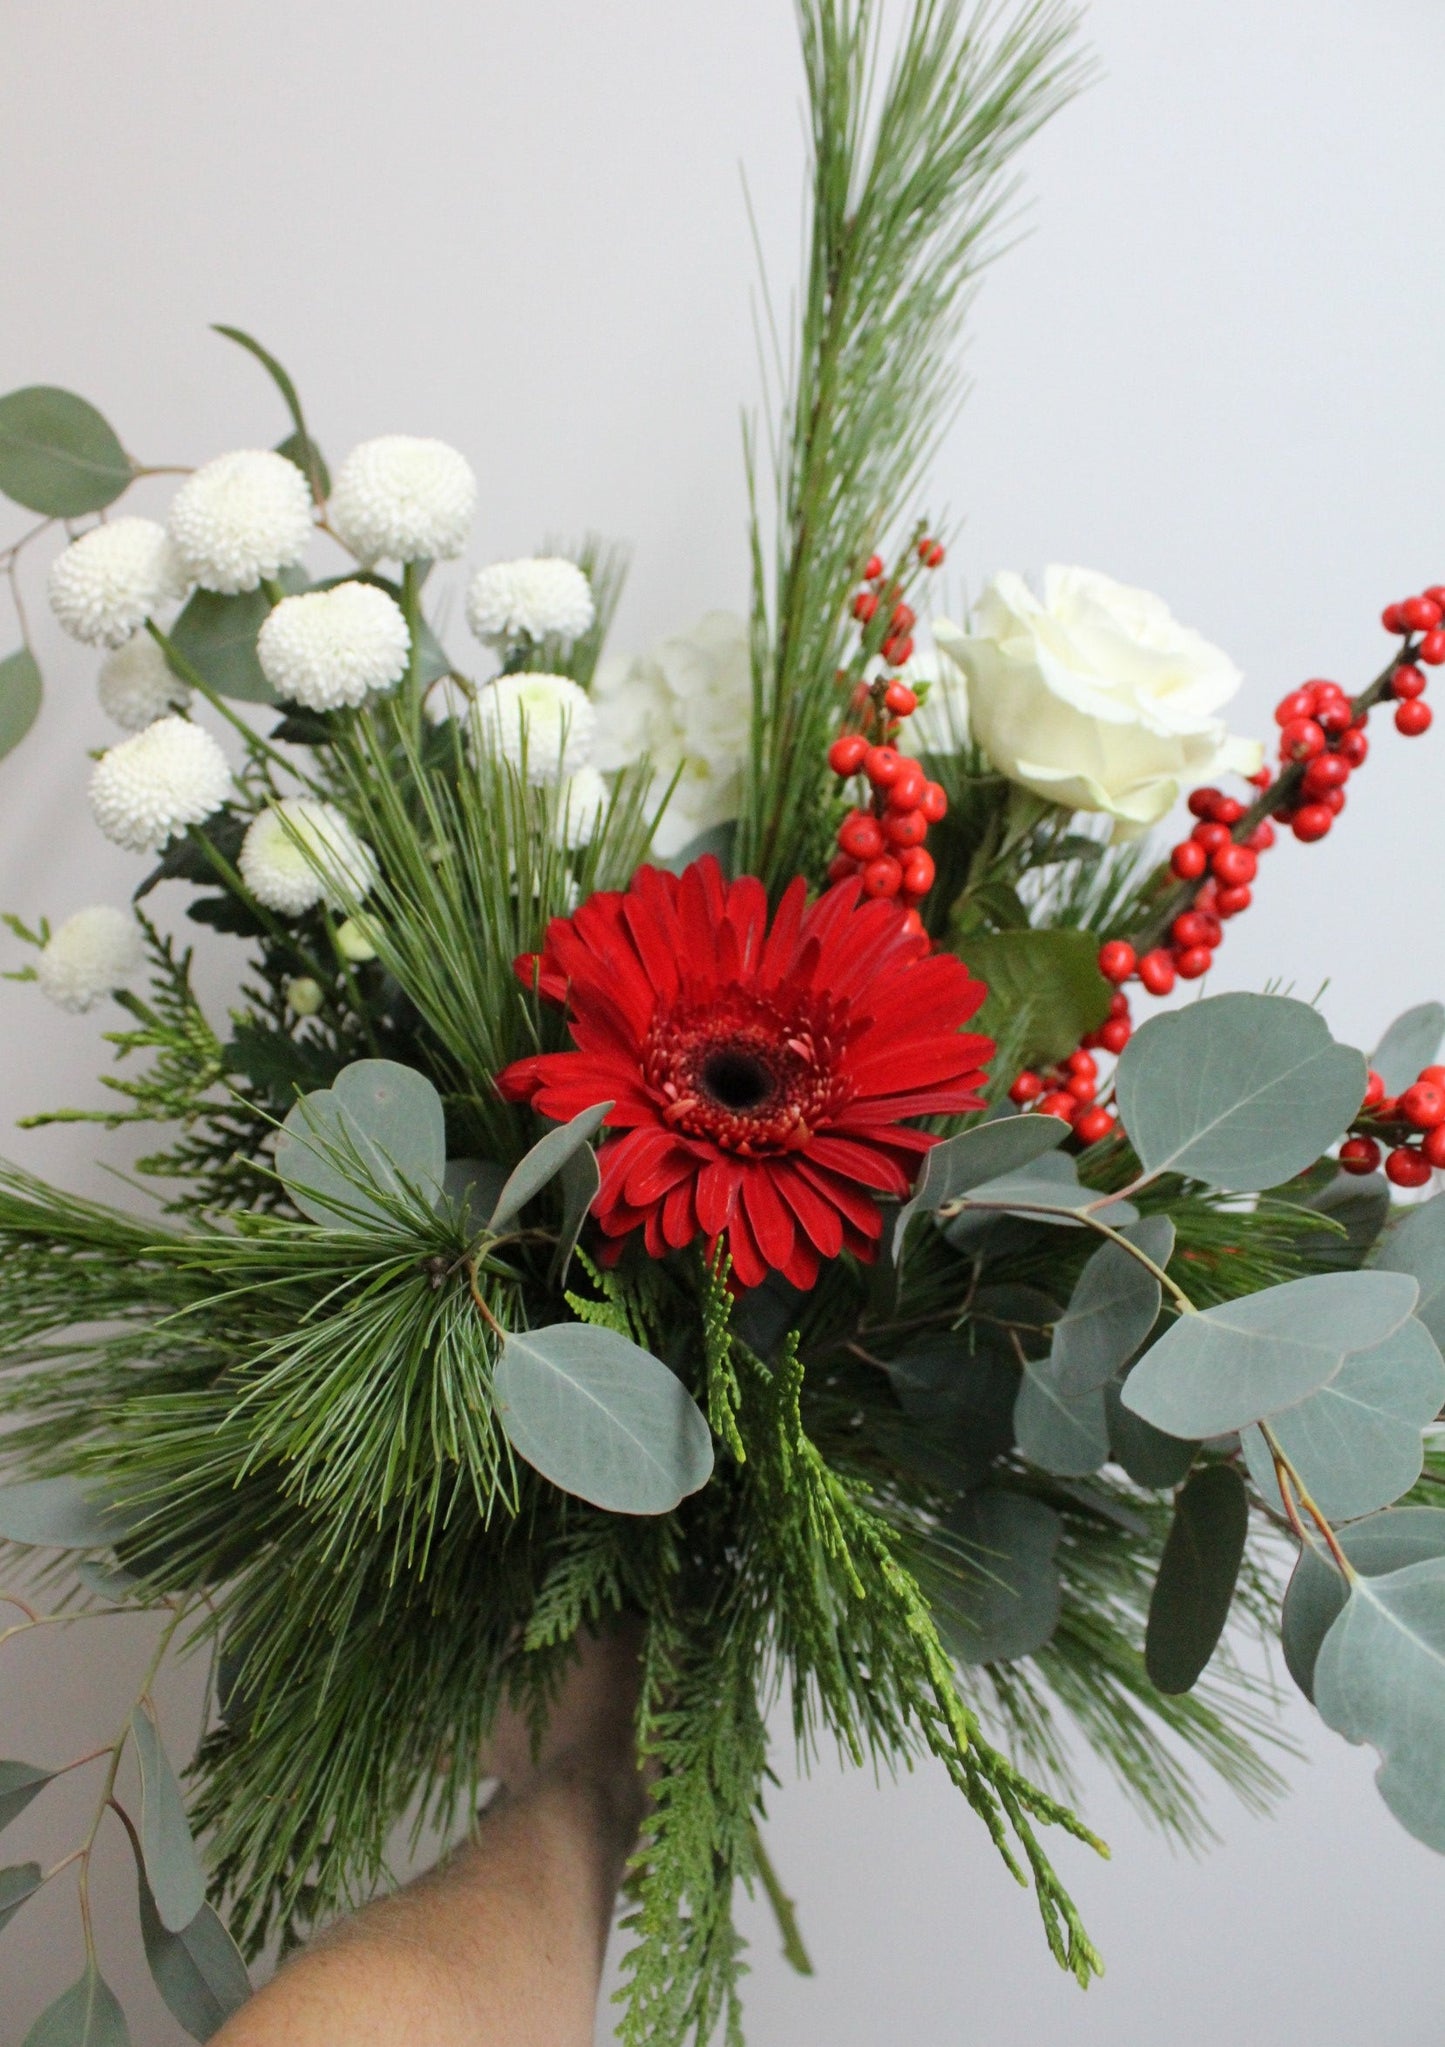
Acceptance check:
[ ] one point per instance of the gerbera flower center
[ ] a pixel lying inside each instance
(744, 1073)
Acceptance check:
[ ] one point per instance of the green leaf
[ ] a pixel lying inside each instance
(470, 1187)
(216, 635)
(1051, 979)
(1050, 1184)
(53, 1513)
(198, 1971)
(1251, 1358)
(1357, 1443)
(21, 1881)
(20, 692)
(1112, 1310)
(172, 1869)
(1416, 1244)
(19, 1783)
(299, 446)
(581, 1181)
(1008, 1603)
(1380, 1678)
(1361, 1207)
(1197, 1574)
(1004, 1144)
(308, 458)
(86, 2015)
(1239, 1091)
(1317, 1592)
(601, 1418)
(58, 455)
(1149, 1456)
(1408, 1046)
(109, 1581)
(543, 1163)
(373, 1142)
(1066, 1434)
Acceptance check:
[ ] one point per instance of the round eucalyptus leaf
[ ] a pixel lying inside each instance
(1248, 1359)
(58, 455)
(1007, 1602)
(1066, 1434)
(1357, 1443)
(1408, 1046)
(199, 1971)
(1004, 1144)
(601, 1418)
(1149, 1456)
(54, 1513)
(1239, 1091)
(1416, 1244)
(171, 1865)
(21, 690)
(216, 635)
(544, 1162)
(1317, 1592)
(1046, 1190)
(86, 2015)
(1197, 1573)
(21, 1881)
(364, 1150)
(1112, 1310)
(1380, 1678)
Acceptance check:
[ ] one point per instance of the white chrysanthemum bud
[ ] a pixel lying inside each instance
(581, 807)
(93, 953)
(110, 581)
(354, 941)
(301, 852)
(402, 499)
(304, 995)
(148, 788)
(136, 686)
(530, 600)
(545, 720)
(329, 648)
(242, 519)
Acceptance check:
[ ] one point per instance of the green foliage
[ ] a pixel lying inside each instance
(21, 690)
(1197, 1576)
(58, 455)
(1377, 1678)
(1044, 985)
(1408, 1046)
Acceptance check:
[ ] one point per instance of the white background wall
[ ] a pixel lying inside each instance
(1212, 369)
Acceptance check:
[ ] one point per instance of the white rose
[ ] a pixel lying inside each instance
(1096, 697)
(688, 705)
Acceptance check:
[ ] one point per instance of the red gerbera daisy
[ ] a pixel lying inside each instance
(760, 1078)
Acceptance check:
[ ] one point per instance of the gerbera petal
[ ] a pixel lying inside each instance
(749, 1268)
(717, 1193)
(679, 1215)
(860, 1161)
(770, 1219)
(820, 1220)
(850, 1200)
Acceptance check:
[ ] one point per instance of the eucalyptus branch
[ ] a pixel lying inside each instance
(1091, 1221)
(1289, 1478)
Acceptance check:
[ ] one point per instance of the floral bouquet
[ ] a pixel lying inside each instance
(686, 1150)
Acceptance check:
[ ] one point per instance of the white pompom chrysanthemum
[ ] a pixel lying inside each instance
(402, 499)
(241, 519)
(329, 648)
(110, 581)
(301, 852)
(148, 788)
(581, 807)
(137, 687)
(543, 721)
(530, 600)
(93, 953)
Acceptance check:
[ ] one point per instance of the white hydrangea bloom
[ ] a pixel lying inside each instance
(581, 806)
(545, 720)
(530, 600)
(400, 498)
(93, 953)
(301, 852)
(242, 519)
(148, 788)
(329, 648)
(688, 705)
(136, 687)
(106, 585)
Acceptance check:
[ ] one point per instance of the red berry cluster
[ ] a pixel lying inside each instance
(1321, 743)
(882, 837)
(1411, 1125)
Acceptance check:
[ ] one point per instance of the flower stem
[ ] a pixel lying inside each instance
(795, 1954)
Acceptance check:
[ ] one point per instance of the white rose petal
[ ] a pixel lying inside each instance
(329, 648)
(241, 519)
(530, 600)
(148, 788)
(1095, 697)
(91, 955)
(136, 686)
(399, 498)
(106, 585)
(542, 724)
(301, 852)
(688, 706)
